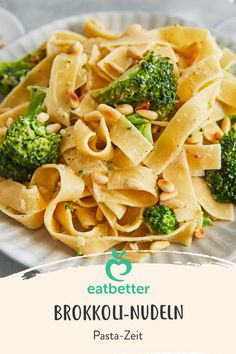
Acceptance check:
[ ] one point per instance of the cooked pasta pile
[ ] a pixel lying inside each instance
(122, 154)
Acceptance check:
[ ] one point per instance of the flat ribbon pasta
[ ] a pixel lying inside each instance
(189, 117)
(13, 113)
(130, 141)
(179, 174)
(39, 75)
(203, 157)
(197, 76)
(135, 178)
(227, 59)
(62, 84)
(80, 162)
(227, 93)
(26, 205)
(130, 197)
(222, 211)
(182, 235)
(60, 41)
(84, 136)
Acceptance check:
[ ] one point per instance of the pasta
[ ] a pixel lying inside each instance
(122, 161)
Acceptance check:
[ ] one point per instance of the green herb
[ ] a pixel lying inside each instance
(207, 221)
(70, 206)
(79, 253)
(81, 173)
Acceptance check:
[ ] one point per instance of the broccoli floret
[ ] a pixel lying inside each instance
(150, 81)
(160, 219)
(143, 125)
(223, 182)
(26, 145)
(12, 72)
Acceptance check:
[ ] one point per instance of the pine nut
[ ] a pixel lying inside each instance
(146, 113)
(133, 53)
(73, 99)
(94, 116)
(195, 138)
(53, 128)
(166, 196)
(225, 125)
(133, 246)
(42, 117)
(99, 215)
(166, 186)
(173, 203)
(199, 233)
(110, 113)
(74, 48)
(3, 131)
(9, 121)
(125, 109)
(100, 178)
(63, 132)
(22, 204)
(116, 67)
(159, 245)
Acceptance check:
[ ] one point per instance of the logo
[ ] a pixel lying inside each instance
(117, 261)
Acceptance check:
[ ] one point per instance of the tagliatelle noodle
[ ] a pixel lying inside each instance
(197, 76)
(39, 75)
(25, 205)
(130, 141)
(228, 90)
(222, 211)
(228, 59)
(70, 189)
(203, 157)
(13, 113)
(62, 83)
(210, 130)
(183, 235)
(62, 40)
(80, 162)
(179, 174)
(130, 197)
(84, 136)
(189, 117)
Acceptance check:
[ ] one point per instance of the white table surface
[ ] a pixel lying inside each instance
(34, 13)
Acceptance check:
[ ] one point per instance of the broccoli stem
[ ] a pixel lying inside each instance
(37, 98)
(143, 125)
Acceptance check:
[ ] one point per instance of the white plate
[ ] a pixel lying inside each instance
(10, 27)
(33, 248)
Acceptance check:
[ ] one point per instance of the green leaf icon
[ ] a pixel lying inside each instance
(117, 260)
